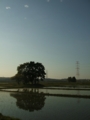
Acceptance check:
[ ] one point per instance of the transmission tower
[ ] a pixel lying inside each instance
(77, 69)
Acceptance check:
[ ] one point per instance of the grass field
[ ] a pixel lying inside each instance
(45, 84)
(7, 118)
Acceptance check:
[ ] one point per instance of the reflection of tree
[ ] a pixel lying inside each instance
(29, 100)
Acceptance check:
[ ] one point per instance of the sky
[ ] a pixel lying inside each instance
(55, 33)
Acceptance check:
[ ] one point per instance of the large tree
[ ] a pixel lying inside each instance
(30, 72)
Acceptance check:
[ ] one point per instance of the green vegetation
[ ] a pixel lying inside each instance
(71, 79)
(7, 118)
(30, 72)
(66, 84)
(42, 84)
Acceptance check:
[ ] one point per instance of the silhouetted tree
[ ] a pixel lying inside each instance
(71, 79)
(18, 78)
(29, 100)
(74, 79)
(30, 72)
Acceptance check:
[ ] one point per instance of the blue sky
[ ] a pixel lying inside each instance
(53, 32)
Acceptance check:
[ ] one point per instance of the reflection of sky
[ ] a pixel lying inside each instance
(54, 108)
(54, 32)
(56, 91)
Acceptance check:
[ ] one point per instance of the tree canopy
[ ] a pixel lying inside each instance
(71, 79)
(30, 72)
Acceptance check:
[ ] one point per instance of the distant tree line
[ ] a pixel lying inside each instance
(71, 79)
(30, 72)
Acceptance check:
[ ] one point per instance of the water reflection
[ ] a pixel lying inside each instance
(29, 99)
(54, 91)
(54, 108)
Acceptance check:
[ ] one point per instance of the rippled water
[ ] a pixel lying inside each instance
(37, 106)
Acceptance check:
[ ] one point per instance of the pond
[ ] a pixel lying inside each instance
(34, 105)
(54, 91)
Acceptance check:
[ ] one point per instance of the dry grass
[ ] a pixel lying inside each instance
(7, 118)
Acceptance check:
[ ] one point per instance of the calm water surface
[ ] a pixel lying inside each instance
(56, 91)
(37, 106)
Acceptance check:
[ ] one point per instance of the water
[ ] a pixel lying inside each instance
(56, 91)
(79, 87)
(36, 106)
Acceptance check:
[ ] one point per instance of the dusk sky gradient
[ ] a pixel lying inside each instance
(53, 32)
